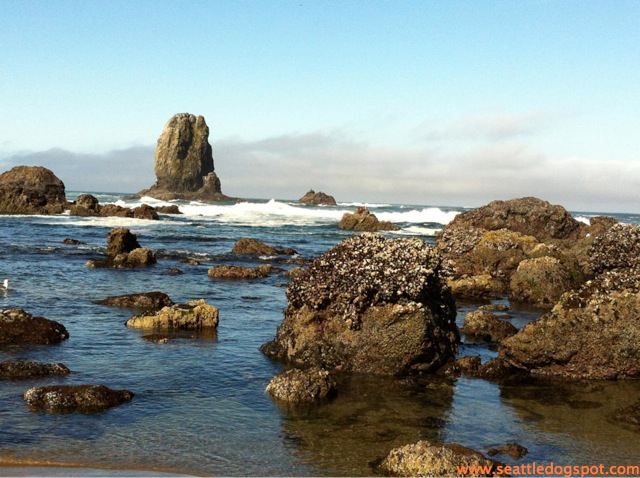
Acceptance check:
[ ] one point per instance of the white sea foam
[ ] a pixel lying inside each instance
(426, 215)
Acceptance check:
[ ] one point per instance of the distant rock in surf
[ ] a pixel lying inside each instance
(87, 205)
(31, 190)
(319, 198)
(184, 162)
(363, 220)
(246, 245)
(143, 301)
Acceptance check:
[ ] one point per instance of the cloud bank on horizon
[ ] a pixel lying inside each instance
(454, 103)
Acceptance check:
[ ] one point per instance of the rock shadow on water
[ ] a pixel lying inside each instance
(368, 417)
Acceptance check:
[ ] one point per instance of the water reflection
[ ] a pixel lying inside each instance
(369, 417)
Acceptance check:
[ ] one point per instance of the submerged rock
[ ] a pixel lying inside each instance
(484, 324)
(31, 190)
(247, 245)
(19, 370)
(194, 315)
(363, 220)
(184, 162)
(144, 301)
(240, 273)
(370, 305)
(75, 398)
(317, 199)
(514, 450)
(302, 386)
(20, 327)
(425, 458)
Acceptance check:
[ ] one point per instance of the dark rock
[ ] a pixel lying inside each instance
(88, 205)
(85, 205)
(302, 386)
(194, 315)
(144, 211)
(173, 209)
(124, 251)
(184, 162)
(143, 301)
(425, 458)
(369, 305)
(628, 415)
(514, 450)
(246, 245)
(27, 370)
(239, 272)
(20, 327)
(70, 241)
(174, 271)
(482, 323)
(120, 240)
(363, 220)
(319, 198)
(75, 398)
(31, 190)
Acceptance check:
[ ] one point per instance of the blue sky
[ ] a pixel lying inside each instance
(422, 102)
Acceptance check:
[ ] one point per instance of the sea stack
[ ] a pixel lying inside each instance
(184, 162)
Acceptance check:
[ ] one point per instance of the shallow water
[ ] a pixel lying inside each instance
(199, 403)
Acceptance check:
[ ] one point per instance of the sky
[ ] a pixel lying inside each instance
(427, 102)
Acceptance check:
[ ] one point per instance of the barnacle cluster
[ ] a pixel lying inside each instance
(368, 270)
(617, 248)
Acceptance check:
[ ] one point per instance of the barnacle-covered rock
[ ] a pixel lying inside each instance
(370, 305)
(617, 248)
(194, 315)
(301, 386)
(20, 327)
(540, 281)
(486, 325)
(241, 272)
(425, 458)
(75, 398)
(20, 370)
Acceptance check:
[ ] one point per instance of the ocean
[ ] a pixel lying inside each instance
(200, 406)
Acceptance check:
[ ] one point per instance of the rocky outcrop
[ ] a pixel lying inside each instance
(485, 325)
(370, 305)
(20, 327)
(302, 386)
(425, 458)
(87, 205)
(19, 370)
(528, 216)
(75, 398)
(144, 301)
(319, 198)
(247, 245)
(194, 315)
(31, 190)
(489, 245)
(124, 251)
(592, 332)
(363, 220)
(240, 272)
(184, 162)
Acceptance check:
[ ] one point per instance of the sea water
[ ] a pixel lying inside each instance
(200, 406)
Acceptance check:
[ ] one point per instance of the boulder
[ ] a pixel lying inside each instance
(529, 216)
(85, 205)
(370, 305)
(247, 245)
(425, 458)
(363, 220)
(184, 162)
(194, 315)
(487, 245)
(19, 327)
(72, 242)
(240, 272)
(302, 386)
(319, 198)
(484, 324)
(31, 190)
(124, 251)
(144, 301)
(514, 450)
(173, 209)
(540, 281)
(19, 370)
(75, 398)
